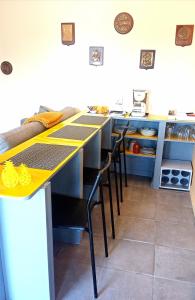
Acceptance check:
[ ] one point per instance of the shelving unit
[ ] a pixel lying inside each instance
(166, 148)
(139, 163)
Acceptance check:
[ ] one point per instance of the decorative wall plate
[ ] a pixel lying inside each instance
(123, 23)
(184, 35)
(6, 67)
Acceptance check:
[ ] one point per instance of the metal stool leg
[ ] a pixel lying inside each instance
(124, 160)
(116, 186)
(90, 231)
(120, 177)
(104, 221)
(111, 205)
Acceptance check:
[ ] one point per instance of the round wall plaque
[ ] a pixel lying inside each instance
(6, 67)
(123, 23)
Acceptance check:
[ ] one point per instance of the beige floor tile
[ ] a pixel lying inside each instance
(173, 198)
(139, 209)
(174, 214)
(163, 222)
(173, 290)
(140, 194)
(97, 223)
(136, 229)
(172, 263)
(131, 256)
(124, 285)
(77, 282)
(139, 181)
(176, 235)
(81, 253)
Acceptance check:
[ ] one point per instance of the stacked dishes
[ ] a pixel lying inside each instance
(119, 129)
(147, 150)
(148, 131)
(131, 130)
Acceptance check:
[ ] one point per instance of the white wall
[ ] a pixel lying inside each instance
(47, 72)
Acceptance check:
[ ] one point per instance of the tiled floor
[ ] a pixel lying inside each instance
(152, 257)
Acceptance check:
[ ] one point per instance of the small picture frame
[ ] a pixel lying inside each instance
(184, 35)
(96, 56)
(68, 33)
(147, 58)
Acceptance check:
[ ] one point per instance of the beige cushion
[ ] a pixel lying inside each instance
(67, 111)
(19, 135)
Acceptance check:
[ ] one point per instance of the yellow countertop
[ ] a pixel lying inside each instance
(40, 176)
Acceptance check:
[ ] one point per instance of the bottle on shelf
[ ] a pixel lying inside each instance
(136, 148)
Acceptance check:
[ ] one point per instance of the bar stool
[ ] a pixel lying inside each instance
(125, 128)
(123, 151)
(116, 159)
(75, 213)
(89, 177)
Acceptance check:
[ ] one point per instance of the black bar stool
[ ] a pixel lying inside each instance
(75, 213)
(116, 159)
(123, 150)
(89, 177)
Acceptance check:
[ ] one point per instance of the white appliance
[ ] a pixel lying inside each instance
(139, 103)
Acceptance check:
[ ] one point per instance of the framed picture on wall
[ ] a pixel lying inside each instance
(96, 56)
(184, 35)
(147, 58)
(68, 33)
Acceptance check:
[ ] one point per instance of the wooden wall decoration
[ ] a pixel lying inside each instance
(147, 58)
(184, 35)
(6, 67)
(68, 33)
(123, 23)
(96, 56)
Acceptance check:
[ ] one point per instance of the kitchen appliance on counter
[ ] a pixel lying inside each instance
(140, 98)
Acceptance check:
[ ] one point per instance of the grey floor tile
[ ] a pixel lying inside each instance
(136, 229)
(173, 290)
(174, 214)
(115, 284)
(172, 263)
(176, 235)
(131, 256)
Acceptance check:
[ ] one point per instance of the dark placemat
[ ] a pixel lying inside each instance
(42, 156)
(73, 132)
(93, 120)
